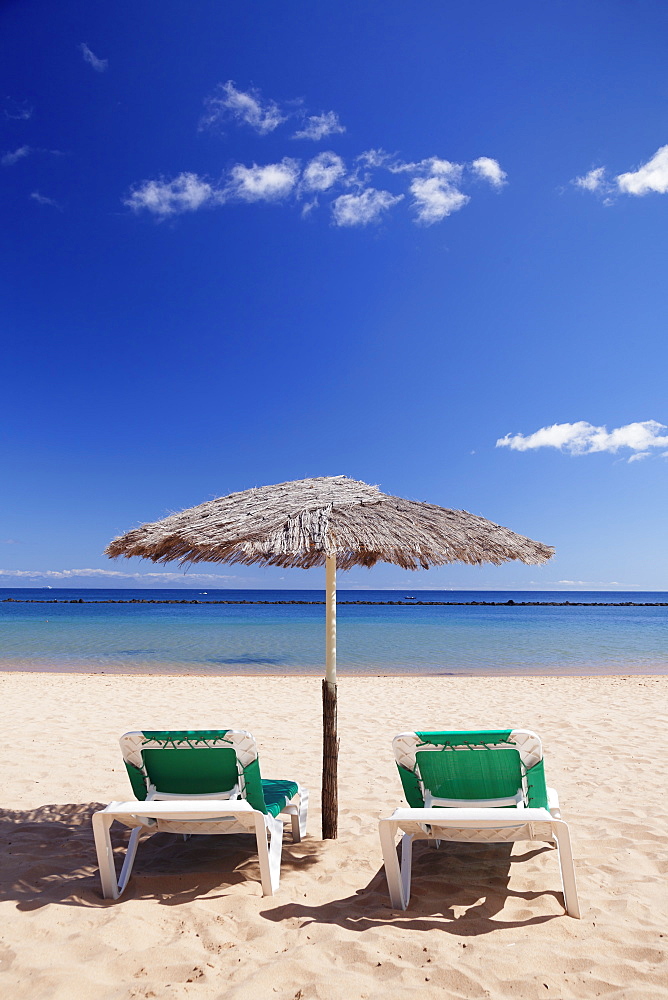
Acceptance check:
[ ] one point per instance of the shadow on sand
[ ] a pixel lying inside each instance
(461, 889)
(47, 855)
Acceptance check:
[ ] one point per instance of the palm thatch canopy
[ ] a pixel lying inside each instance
(301, 523)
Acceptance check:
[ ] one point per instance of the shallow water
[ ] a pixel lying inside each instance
(371, 639)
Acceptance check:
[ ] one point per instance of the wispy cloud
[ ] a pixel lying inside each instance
(269, 183)
(434, 184)
(356, 197)
(99, 65)
(185, 193)
(69, 574)
(650, 177)
(245, 106)
(361, 209)
(18, 111)
(593, 585)
(490, 170)
(9, 159)
(437, 195)
(376, 158)
(323, 172)
(318, 127)
(263, 115)
(188, 192)
(594, 180)
(42, 199)
(583, 438)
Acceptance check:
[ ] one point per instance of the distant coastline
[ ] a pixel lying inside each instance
(408, 603)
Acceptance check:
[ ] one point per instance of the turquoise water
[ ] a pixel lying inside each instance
(372, 639)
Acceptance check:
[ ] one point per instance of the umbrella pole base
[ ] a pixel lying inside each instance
(330, 760)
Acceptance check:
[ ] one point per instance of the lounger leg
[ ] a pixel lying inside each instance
(299, 817)
(387, 830)
(406, 866)
(567, 868)
(105, 855)
(270, 856)
(126, 870)
(111, 888)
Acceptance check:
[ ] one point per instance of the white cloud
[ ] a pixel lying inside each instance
(9, 159)
(42, 199)
(247, 107)
(99, 65)
(435, 185)
(186, 193)
(592, 181)
(652, 176)
(317, 127)
(582, 438)
(322, 172)
(490, 170)
(18, 111)
(593, 585)
(437, 195)
(361, 209)
(269, 183)
(375, 158)
(308, 207)
(68, 574)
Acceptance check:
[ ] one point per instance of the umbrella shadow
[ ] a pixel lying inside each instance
(47, 855)
(461, 889)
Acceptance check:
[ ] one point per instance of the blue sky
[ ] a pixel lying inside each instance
(422, 245)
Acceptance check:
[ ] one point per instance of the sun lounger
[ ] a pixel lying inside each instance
(199, 782)
(483, 786)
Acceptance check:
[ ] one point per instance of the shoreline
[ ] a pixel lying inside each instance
(316, 672)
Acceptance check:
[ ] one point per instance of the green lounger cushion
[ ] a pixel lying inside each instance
(277, 794)
(485, 765)
(207, 767)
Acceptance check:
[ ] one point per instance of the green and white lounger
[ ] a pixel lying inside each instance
(182, 778)
(484, 786)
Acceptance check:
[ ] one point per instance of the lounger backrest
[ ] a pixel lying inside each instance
(471, 764)
(194, 762)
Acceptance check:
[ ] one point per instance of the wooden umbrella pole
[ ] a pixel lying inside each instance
(330, 741)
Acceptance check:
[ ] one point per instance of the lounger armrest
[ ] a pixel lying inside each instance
(553, 803)
(181, 809)
(491, 818)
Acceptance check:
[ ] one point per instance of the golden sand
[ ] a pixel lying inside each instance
(483, 921)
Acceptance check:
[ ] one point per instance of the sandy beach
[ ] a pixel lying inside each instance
(484, 921)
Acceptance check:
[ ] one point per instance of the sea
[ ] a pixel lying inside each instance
(379, 632)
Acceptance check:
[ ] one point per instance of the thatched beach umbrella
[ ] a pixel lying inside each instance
(331, 521)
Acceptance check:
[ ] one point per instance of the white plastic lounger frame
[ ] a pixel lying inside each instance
(188, 816)
(485, 820)
(214, 812)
